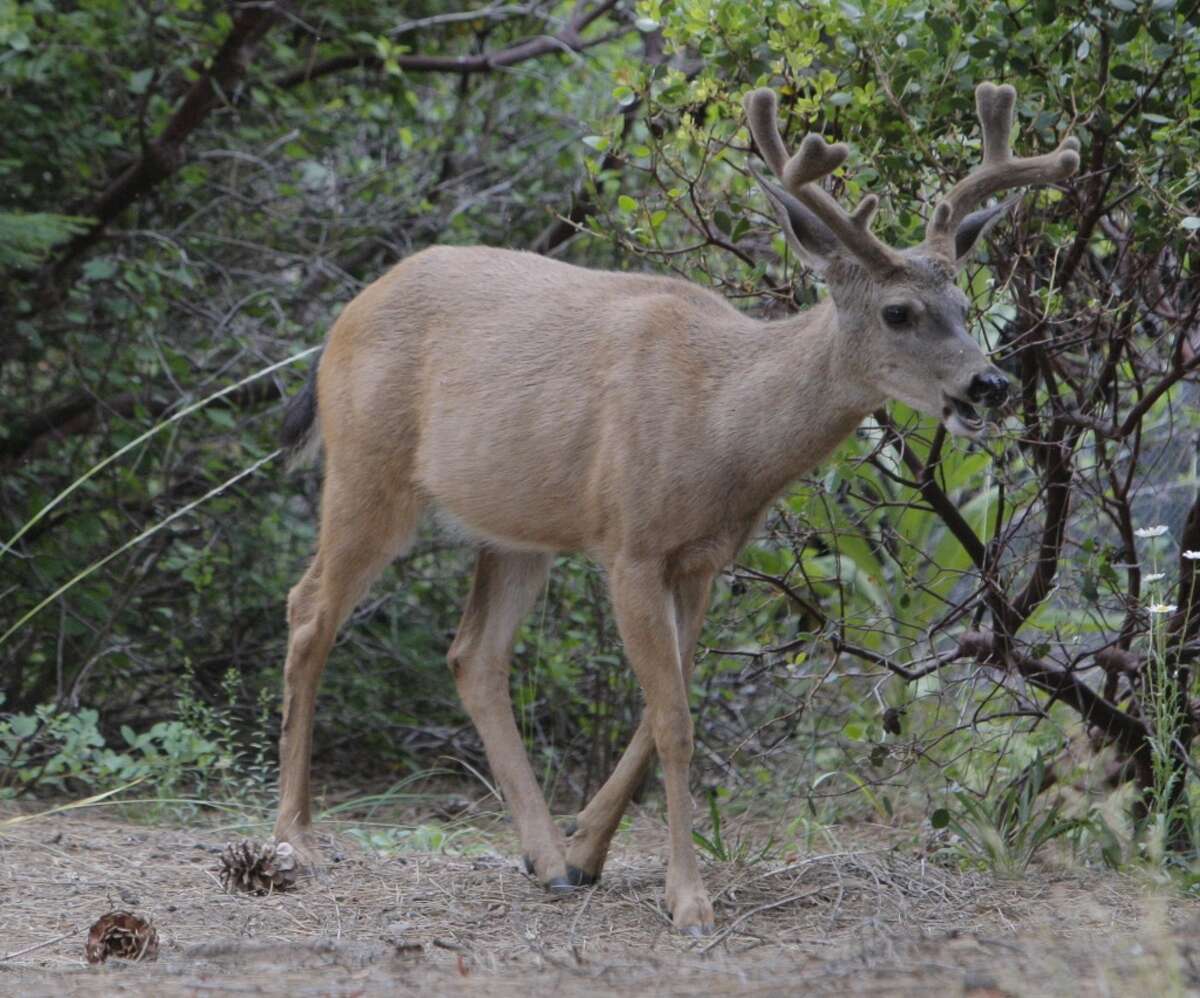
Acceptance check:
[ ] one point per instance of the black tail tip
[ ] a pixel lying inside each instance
(301, 412)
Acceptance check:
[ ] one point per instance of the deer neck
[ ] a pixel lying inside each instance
(803, 390)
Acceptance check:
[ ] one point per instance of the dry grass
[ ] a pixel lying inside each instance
(864, 918)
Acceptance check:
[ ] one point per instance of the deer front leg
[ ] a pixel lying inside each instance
(644, 608)
(505, 587)
(597, 823)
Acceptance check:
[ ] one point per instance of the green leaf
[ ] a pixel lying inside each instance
(624, 95)
(627, 204)
(140, 80)
(23, 725)
(99, 269)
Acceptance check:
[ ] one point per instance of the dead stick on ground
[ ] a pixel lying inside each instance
(579, 914)
(726, 932)
(37, 946)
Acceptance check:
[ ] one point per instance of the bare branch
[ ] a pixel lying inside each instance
(164, 155)
(569, 40)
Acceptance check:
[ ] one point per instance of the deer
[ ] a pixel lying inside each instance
(639, 419)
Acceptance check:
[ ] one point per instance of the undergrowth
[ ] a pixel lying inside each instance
(203, 753)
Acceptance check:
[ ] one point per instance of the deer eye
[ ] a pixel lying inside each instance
(895, 315)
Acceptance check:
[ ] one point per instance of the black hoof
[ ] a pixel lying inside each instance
(579, 878)
(561, 886)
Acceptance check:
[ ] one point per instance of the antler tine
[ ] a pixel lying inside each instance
(800, 173)
(761, 108)
(999, 170)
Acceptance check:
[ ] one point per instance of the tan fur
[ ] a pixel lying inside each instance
(642, 420)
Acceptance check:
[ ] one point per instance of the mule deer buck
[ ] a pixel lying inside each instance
(639, 419)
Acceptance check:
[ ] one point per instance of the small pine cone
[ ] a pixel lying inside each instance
(258, 868)
(123, 935)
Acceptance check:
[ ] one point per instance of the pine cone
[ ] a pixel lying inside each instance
(123, 935)
(258, 868)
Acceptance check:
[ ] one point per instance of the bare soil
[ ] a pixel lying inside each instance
(869, 915)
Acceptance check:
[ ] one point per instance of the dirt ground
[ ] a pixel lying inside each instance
(868, 915)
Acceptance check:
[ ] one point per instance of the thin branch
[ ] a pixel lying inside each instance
(1127, 731)
(79, 414)
(165, 154)
(570, 40)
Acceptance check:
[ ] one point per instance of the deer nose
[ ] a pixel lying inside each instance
(989, 388)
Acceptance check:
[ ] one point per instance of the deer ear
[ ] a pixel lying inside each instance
(811, 238)
(972, 228)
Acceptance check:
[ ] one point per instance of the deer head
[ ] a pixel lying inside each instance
(902, 308)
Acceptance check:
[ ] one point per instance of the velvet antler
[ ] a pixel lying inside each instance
(1000, 168)
(800, 175)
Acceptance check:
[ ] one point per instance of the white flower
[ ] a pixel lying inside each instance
(1154, 577)
(1162, 608)
(1192, 555)
(1151, 531)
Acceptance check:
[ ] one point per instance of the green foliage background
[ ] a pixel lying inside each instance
(293, 193)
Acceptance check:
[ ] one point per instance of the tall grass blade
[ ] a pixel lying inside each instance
(148, 532)
(186, 411)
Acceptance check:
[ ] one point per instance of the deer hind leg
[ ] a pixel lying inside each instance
(597, 823)
(505, 587)
(644, 608)
(362, 530)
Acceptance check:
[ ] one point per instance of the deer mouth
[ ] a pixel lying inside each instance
(961, 417)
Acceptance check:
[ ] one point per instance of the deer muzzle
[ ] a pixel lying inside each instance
(990, 388)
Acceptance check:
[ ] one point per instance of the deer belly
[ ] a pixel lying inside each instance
(516, 482)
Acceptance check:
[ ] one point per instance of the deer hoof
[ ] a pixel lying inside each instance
(561, 886)
(693, 917)
(581, 878)
(575, 878)
(305, 848)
